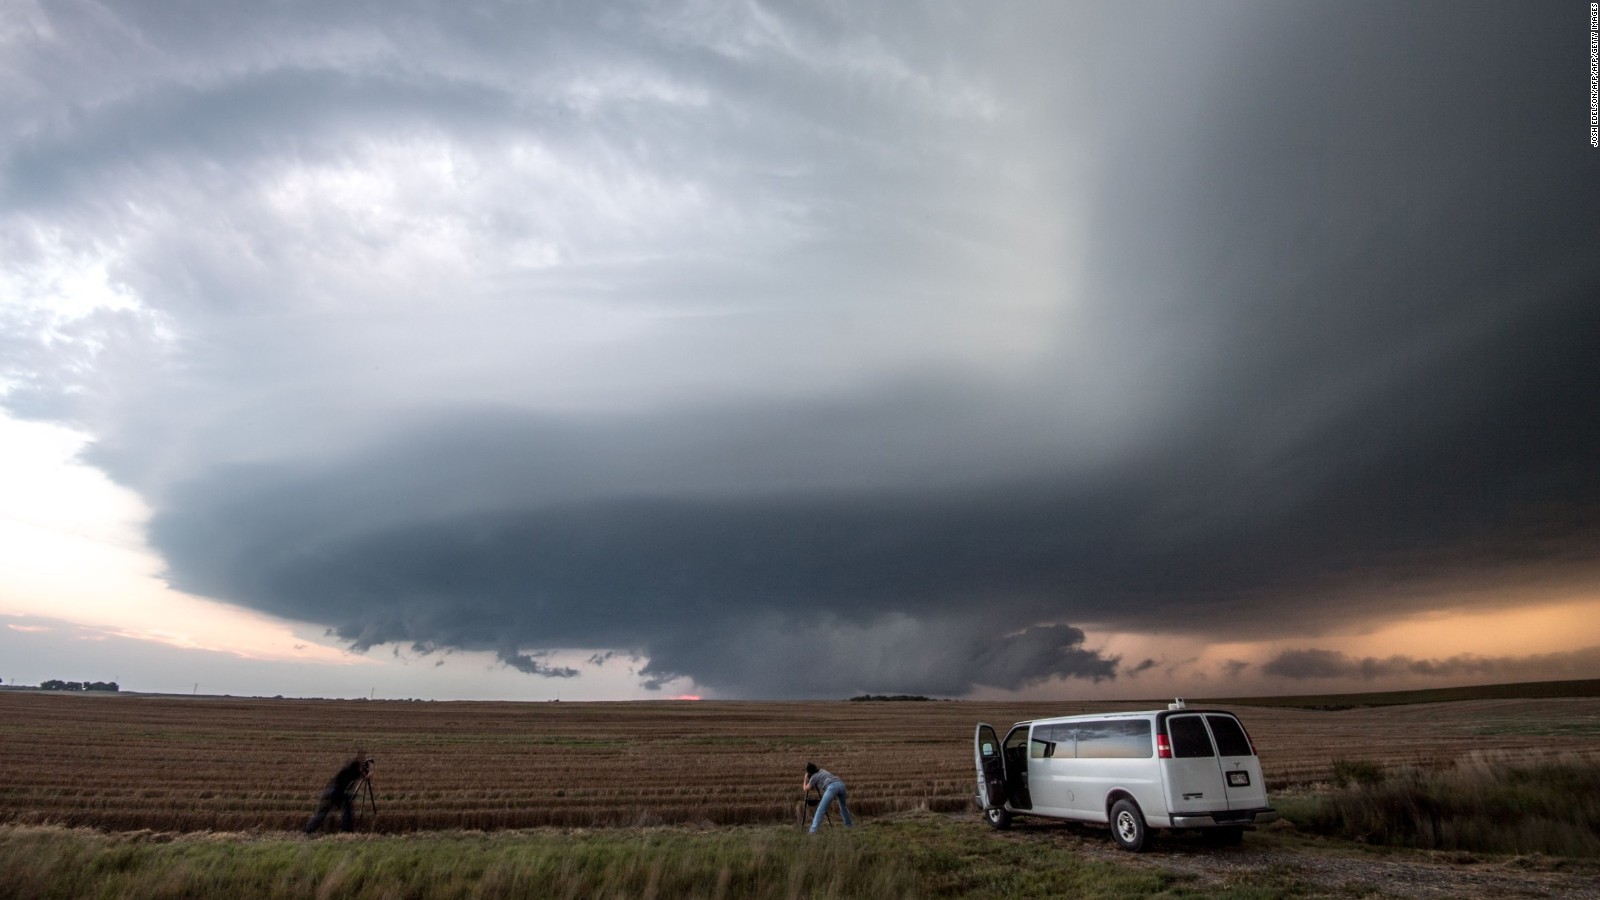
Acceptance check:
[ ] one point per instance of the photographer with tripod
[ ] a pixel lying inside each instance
(343, 790)
(832, 789)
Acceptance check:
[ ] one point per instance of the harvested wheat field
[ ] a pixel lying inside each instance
(127, 762)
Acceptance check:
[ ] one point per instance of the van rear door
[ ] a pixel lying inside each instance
(991, 767)
(1193, 776)
(1241, 770)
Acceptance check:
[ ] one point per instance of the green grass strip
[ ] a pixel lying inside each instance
(912, 856)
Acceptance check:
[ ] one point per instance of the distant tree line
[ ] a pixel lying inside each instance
(890, 697)
(58, 685)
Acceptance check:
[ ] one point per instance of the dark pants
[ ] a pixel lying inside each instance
(331, 798)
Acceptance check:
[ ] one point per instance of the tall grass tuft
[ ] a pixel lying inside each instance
(1488, 803)
(1356, 773)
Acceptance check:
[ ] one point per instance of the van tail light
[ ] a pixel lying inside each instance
(1163, 746)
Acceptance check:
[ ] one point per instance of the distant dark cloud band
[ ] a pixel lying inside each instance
(1333, 664)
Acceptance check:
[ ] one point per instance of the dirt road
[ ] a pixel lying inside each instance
(1316, 867)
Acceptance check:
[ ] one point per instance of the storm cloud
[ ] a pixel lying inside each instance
(802, 352)
(1313, 663)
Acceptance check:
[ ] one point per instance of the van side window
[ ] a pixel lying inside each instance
(1066, 738)
(1051, 742)
(1115, 739)
(1039, 745)
(1231, 740)
(1189, 738)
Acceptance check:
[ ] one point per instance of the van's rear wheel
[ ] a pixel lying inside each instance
(1127, 826)
(997, 817)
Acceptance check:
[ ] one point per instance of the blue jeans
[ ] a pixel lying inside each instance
(834, 792)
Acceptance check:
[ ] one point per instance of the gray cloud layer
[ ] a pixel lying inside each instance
(808, 352)
(1313, 663)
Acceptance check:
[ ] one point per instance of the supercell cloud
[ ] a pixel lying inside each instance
(803, 352)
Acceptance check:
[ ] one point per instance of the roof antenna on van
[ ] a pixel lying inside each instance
(1177, 703)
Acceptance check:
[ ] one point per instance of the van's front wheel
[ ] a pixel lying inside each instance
(1127, 826)
(999, 818)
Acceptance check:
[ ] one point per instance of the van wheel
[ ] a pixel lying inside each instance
(1127, 826)
(997, 817)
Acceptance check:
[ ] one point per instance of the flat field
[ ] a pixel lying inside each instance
(129, 762)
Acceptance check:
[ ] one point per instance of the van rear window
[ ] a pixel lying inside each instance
(1189, 738)
(1231, 740)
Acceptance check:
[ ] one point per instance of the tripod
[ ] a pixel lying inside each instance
(361, 790)
(806, 802)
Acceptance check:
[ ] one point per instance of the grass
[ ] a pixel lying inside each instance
(906, 856)
(1357, 773)
(1487, 803)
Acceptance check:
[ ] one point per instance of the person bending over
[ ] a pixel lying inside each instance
(341, 792)
(832, 788)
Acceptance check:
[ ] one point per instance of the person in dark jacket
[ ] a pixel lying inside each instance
(341, 792)
(832, 788)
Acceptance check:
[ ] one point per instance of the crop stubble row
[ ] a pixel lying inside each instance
(172, 763)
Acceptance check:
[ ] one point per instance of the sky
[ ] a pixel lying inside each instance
(1050, 350)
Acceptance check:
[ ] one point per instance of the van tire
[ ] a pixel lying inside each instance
(998, 818)
(1127, 826)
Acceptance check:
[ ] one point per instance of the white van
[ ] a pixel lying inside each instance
(1171, 768)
